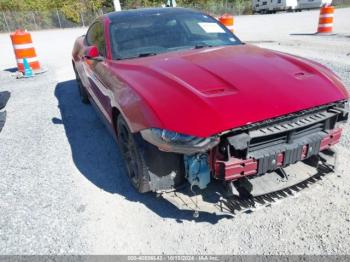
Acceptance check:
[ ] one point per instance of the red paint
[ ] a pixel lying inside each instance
(257, 84)
(236, 168)
(92, 52)
(207, 91)
(280, 159)
(332, 139)
(106, 22)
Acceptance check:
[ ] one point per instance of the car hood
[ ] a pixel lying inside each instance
(208, 91)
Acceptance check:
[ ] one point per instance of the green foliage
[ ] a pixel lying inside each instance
(37, 14)
(70, 8)
(215, 7)
(92, 5)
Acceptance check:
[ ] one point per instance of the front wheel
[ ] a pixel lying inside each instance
(131, 147)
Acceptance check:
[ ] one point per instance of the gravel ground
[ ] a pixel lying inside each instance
(62, 182)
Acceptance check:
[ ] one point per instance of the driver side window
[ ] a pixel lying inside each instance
(95, 36)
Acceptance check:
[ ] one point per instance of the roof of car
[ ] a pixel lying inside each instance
(148, 11)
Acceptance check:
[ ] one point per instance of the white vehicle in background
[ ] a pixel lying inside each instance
(272, 6)
(311, 4)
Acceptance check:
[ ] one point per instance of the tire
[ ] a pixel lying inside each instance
(82, 90)
(131, 147)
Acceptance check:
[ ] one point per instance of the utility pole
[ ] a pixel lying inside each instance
(117, 6)
(7, 25)
(59, 19)
(171, 3)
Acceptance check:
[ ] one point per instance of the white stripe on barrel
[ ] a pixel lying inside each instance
(23, 46)
(326, 15)
(29, 59)
(325, 25)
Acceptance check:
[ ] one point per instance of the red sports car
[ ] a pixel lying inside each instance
(186, 100)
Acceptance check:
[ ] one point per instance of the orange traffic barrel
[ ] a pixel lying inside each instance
(325, 23)
(228, 21)
(23, 47)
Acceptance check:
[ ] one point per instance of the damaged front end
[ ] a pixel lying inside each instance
(194, 149)
(169, 141)
(257, 149)
(260, 158)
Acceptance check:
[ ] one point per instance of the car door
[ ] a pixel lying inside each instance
(96, 69)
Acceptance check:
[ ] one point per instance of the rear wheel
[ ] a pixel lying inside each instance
(82, 91)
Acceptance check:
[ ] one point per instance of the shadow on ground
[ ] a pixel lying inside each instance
(11, 70)
(303, 34)
(97, 157)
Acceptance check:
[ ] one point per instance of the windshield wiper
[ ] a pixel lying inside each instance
(137, 56)
(199, 46)
(146, 54)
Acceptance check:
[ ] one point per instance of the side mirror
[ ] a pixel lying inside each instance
(92, 53)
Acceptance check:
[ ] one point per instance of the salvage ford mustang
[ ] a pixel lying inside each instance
(188, 102)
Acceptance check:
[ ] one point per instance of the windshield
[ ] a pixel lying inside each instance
(151, 34)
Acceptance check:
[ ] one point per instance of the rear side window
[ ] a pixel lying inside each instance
(95, 36)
